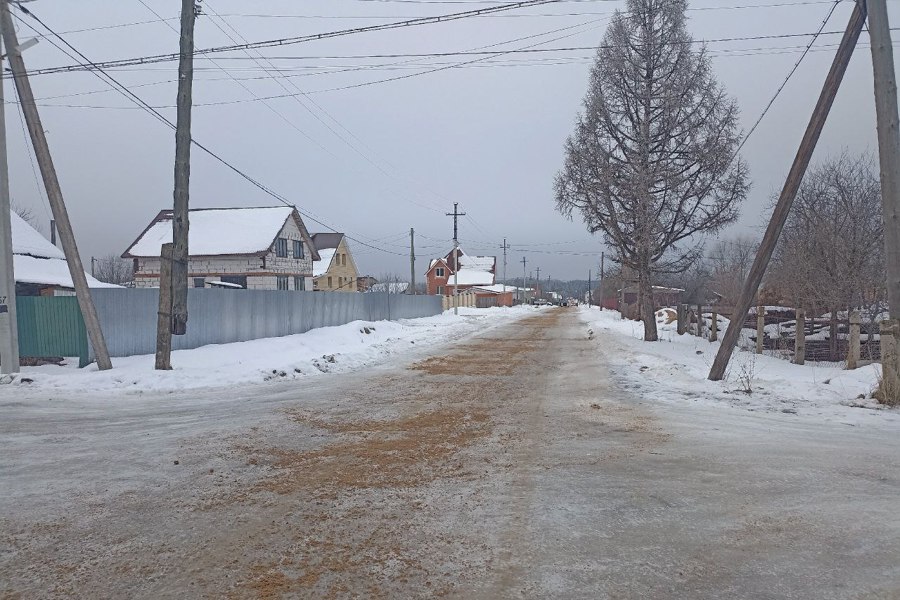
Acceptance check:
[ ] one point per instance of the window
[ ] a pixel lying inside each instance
(299, 283)
(439, 272)
(281, 248)
(440, 290)
(298, 249)
(329, 282)
(199, 282)
(281, 282)
(343, 260)
(240, 280)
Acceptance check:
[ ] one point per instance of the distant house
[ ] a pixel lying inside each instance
(494, 295)
(39, 267)
(389, 287)
(251, 248)
(364, 282)
(334, 270)
(469, 272)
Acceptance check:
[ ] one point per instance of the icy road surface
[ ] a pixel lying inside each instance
(511, 464)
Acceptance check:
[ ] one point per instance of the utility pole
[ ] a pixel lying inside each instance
(173, 279)
(505, 248)
(524, 282)
(537, 281)
(455, 214)
(789, 191)
(602, 273)
(54, 192)
(9, 328)
(412, 261)
(590, 291)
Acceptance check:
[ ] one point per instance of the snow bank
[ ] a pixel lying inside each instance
(675, 369)
(325, 350)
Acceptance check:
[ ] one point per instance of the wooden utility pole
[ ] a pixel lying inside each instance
(164, 314)
(455, 214)
(590, 291)
(505, 248)
(800, 337)
(54, 192)
(889, 159)
(524, 289)
(9, 329)
(180, 222)
(537, 282)
(412, 261)
(789, 191)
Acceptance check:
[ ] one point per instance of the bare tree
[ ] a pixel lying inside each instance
(729, 261)
(25, 213)
(831, 253)
(112, 269)
(651, 163)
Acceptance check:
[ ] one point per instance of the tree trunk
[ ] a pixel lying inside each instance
(833, 336)
(648, 310)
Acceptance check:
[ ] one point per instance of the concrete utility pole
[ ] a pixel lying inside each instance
(590, 291)
(455, 214)
(789, 191)
(54, 192)
(9, 329)
(412, 261)
(537, 281)
(888, 155)
(524, 281)
(505, 248)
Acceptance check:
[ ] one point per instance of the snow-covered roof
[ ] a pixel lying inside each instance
(471, 277)
(496, 288)
(321, 266)
(27, 240)
(217, 231)
(476, 263)
(48, 271)
(37, 261)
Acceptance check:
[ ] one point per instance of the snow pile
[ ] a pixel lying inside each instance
(325, 350)
(676, 369)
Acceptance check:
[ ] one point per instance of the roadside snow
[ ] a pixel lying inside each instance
(325, 350)
(676, 367)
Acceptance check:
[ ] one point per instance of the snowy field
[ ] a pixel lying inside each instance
(326, 350)
(675, 370)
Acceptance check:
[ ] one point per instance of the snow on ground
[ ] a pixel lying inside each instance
(676, 369)
(324, 350)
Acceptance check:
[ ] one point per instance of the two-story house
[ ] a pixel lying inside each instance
(335, 270)
(252, 248)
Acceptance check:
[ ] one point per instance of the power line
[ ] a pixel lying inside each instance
(99, 72)
(301, 39)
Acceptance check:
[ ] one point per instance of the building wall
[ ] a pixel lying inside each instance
(341, 275)
(433, 282)
(261, 272)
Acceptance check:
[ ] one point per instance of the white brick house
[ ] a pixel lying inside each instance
(252, 248)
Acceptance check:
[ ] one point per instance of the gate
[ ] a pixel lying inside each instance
(51, 327)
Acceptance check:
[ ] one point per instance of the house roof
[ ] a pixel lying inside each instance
(323, 241)
(37, 261)
(473, 270)
(220, 231)
(471, 277)
(320, 267)
(27, 240)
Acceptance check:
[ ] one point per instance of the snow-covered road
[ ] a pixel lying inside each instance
(523, 462)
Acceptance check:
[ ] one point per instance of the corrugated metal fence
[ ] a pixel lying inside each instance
(128, 316)
(51, 327)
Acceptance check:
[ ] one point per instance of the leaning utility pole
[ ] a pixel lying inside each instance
(54, 192)
(789, 191)
(173, 280)
(9, 329)
(412, 261)
(455, 214)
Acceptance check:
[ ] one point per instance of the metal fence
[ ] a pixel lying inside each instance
(128, 316)
(51, 327)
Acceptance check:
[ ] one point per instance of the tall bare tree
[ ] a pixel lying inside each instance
(113, 269)
(729, 261)
(652, 163)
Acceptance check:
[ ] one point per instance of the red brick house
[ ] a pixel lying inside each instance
(470, 271)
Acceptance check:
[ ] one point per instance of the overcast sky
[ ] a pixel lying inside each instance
(375, 160)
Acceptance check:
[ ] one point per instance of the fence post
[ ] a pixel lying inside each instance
(699, 320)
(681, 315)
(890, 365)
(760, 327)
(714, 327)
(853, 351)
(800, 337)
